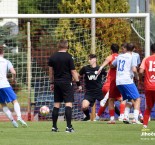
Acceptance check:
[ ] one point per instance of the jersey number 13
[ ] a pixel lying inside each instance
(121, 64)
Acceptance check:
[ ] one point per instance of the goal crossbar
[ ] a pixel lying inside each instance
(107, 15)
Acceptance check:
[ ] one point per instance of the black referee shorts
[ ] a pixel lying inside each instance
(63, 92)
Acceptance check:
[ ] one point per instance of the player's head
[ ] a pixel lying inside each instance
(124, 47)
(130, 47)
(92, 59)
(1, 50)
(153, 48)
(114, 48)
(63, 44)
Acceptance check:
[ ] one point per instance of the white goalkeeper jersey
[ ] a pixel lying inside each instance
(124, 73)
(5, 66)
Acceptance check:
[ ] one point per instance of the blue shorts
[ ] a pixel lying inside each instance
(129, 91)
(7, 95)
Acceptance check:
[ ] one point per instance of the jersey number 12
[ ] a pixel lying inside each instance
(152, 66)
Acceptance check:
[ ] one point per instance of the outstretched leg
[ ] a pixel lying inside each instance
(8, 113)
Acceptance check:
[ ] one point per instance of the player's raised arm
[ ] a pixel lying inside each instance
(106, 62)
(114, 50)
(114, 64)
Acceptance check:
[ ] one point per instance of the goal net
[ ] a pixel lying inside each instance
(33, 39)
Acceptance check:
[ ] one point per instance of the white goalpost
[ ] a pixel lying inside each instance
(31, 62)
(110, 15)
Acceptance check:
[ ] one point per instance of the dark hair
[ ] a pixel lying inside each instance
(124, 45)
(130, 46)
(63, 44)
(1, 49)
(114, 48)
(153, 48)
(92, 56)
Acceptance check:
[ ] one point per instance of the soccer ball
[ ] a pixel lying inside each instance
(44, 110)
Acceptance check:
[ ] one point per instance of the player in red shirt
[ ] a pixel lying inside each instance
(148, 68)
(105, 90)
(113, 91)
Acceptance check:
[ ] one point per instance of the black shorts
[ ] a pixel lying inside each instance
(63, 92)
(92, 97)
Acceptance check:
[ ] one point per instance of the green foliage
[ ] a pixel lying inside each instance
(152, 8)
(6, 38)
(12, 42)
(28, 7)
(39, 27)
(108, 31)
(38, 6)
(153, 27)
(75, 46)
(19, 61)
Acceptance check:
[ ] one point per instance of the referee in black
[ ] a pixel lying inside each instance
(61, 71)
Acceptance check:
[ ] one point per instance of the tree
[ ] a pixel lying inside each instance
(152, 8)
(108, 31)
(39, 27)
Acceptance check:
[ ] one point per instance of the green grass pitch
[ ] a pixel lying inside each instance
(86, 133)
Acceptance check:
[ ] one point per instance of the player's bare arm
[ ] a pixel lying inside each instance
(140, 83)
(13, 72)
(134, 69)
(106, 62)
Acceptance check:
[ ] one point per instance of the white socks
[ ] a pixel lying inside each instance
(17, 110)
(112, 118)
(136, 113)
(104, 100)
(8, 113)
(126, 112)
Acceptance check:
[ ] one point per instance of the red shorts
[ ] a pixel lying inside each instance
(114, 92)
(150, 98)
(105, 88)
